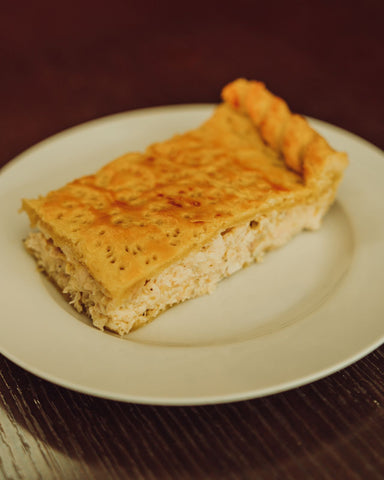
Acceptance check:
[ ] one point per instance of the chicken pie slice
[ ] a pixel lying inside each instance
(155, 228)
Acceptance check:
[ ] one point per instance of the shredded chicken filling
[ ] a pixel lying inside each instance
(195, 275)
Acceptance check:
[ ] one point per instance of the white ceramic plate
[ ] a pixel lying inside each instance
(310, 309)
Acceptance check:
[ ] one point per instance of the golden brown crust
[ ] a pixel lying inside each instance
(144, 211)
(303, 150)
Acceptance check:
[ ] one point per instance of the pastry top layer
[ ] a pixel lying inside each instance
(144, 211)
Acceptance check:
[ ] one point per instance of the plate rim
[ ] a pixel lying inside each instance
(174, 400)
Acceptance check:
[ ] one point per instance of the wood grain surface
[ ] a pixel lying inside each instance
(63, 63)
(332, 429)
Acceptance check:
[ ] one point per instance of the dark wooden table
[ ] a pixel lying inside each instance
(63, 63)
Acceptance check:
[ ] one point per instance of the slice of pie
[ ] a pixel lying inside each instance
(153, 229)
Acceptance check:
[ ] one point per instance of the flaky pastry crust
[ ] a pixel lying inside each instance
(144, 211)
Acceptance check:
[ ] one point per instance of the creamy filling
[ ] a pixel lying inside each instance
(195, 275)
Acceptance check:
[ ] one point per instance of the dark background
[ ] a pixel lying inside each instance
(63, 63)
